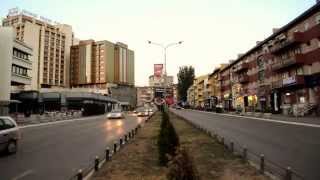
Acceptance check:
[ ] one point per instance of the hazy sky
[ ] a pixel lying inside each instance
(213, 31)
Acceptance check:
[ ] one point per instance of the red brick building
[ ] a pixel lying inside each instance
(282, 72)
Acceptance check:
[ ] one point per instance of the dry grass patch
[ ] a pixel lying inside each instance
(210, 158)
(137, 160)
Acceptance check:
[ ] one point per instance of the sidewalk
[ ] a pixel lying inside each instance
(50, 117)
(307, 120)
(277, 117)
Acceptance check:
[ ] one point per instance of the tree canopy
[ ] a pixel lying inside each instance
(185, 80)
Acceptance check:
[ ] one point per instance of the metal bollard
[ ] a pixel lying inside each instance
(288, 173)
(136, 129)
(115, 147)
(79, 175)
(96, 163)
(125, 138)
(262, 164)
(132, 133)
(231, 147)
(244, 155)
(107, 154)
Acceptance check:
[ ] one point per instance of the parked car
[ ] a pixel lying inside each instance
(9, 135)
(219, 108)
(115, 114)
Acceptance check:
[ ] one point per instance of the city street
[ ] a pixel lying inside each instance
(294, 145)
(57, 151)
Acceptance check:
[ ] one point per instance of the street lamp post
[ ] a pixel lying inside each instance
(165, 47)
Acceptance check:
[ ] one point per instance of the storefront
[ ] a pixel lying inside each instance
(227, 103)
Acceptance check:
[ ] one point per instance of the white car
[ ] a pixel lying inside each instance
(9, 135)
(115, 114)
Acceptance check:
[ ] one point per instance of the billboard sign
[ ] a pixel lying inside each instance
(158, 68)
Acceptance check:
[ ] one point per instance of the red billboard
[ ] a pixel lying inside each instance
(158, 70)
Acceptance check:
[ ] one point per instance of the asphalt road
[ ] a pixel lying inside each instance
(57, 151)
(289, 145)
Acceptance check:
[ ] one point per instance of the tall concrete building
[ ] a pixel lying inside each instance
(16, 66)
(51, 44)
(124, 64)
(97, 64)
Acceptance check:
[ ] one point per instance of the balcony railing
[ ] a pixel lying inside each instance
(244, 79)
(286, 63)
(313, 32)
(295, 39)
(289, 82)
(241, 67)
(296, 60)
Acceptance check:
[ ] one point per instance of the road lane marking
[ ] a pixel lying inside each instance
(57, 122)
(264, 119)
(24, 174)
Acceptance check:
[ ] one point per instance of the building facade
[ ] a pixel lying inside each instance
(99, 64)
(51, 48)
(191, 96)
(123, 64)
(145, 95)
(280, 74)
(16, 67)
(165, 80)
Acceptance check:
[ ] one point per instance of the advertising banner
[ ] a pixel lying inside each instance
(158, 68)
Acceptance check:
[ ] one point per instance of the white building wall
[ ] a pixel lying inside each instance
(6, 44)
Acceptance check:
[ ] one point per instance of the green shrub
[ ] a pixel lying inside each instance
(181, 167)
(167, 140)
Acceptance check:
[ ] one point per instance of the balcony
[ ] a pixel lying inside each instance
(17, 79)
(22, 62)
(297, 60)
(225, 88)
(283, 45)
(226, 77)
(244, 79)
(297, 80)
(313, 32)
(241, 67)
(287, 63)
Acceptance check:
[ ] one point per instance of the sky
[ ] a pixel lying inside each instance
(212, 31)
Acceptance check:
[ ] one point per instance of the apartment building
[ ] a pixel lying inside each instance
(99, 64)
(123, 64)
(51, 44)
(226, 88)
(281, 72)
(199, 90)
(16, 67)
(92, 65)
(165, 80)
(145, 95)
(191, 96)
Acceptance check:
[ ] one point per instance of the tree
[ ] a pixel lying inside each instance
(185, 80)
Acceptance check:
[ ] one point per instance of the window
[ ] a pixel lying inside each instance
(6, 124)
(306, 26)
(318, 19)
(300, 71)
